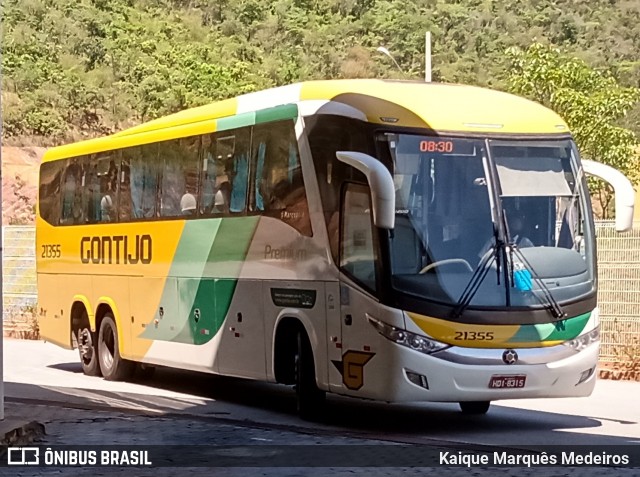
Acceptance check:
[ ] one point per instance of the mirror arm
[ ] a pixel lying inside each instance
(624, 193)
(383, 193)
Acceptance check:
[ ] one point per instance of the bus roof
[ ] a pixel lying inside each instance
(436, 106)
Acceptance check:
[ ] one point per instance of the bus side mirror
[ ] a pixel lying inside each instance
(625, 195)
(383, 193)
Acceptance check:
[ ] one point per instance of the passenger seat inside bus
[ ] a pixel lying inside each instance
(188, 204)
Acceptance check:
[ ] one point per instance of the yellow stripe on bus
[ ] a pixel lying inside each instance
(462, 334)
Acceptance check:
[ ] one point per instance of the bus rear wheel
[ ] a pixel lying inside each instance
(474, 407)
(87, 348)
(310, 399)
(113, 367)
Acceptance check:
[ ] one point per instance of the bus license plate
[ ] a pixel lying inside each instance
(507, 382)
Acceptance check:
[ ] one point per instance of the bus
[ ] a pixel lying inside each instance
(358, 237)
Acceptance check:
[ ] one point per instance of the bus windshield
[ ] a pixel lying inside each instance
(468, 209)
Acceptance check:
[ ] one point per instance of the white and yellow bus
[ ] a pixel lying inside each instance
(387, 240)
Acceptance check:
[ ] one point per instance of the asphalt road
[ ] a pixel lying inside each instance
(41, 373)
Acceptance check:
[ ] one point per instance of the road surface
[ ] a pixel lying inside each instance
(177, 407)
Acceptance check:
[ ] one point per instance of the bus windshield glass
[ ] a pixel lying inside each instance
(468, 209)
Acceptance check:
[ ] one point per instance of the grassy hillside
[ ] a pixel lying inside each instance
(79, 68)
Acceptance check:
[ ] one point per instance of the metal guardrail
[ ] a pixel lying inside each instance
(618, 287)
(618, 291)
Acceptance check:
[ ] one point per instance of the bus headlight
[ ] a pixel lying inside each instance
(584, 340)
(406, 338)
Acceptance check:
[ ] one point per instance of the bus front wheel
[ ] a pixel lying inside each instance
(310, 399)
(113, 367)
(474, 407)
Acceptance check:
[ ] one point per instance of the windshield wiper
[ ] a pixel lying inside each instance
(552, 304)
(479, 274)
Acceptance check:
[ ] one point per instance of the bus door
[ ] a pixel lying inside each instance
(334, 335)
(358, 284)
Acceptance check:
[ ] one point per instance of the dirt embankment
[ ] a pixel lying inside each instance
(19, 183)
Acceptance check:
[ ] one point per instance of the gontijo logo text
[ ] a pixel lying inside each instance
(116, 249)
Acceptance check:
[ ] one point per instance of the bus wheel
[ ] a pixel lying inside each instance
(88, 350)
(113, 367)
(475, 407)
(310, 399)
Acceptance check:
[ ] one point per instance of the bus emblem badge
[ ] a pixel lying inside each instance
(510, 356)
(352, 368)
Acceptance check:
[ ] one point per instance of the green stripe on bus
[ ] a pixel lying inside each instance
(230, 246)
(287, 111)
(194, 247)
(237, 121)
(560, 331)
(213, 297)
(198, 237)
(207, 248)
(188, 264)
(207, 307)
(208, 299)
(570, 328)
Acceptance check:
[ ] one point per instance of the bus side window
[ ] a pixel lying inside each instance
(124, 191)
(225, 172)
(108, 167)
(49, 194)
(328, 134)
(240, 174)
(72, 186)
(91, 191)
(238, 168)
(179, 177)
(279, 187)
(143, 182)
(191, 155)
(172, 179)
(212, 171)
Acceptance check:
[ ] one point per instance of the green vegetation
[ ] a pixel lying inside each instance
(79, 68)
(591, 102)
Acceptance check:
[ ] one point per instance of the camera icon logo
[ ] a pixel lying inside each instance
(23, 456)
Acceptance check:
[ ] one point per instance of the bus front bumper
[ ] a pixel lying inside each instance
(416, 377)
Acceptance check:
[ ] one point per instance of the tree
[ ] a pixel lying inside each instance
(80, 68)
(590, 101)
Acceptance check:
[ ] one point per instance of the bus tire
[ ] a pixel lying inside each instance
(474, 407)
(113, 367)
(310, 400)
(87, 349)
